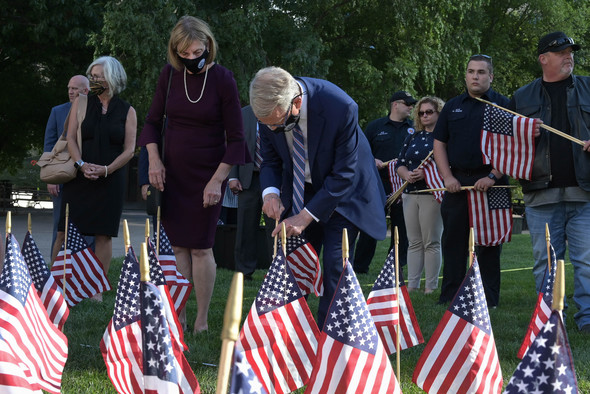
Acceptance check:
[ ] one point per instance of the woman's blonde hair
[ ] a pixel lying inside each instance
(187, 30)
(436, 102)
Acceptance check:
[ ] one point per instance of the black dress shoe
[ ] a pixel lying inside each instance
(248, 277)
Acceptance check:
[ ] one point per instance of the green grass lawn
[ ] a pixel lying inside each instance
(85, 371)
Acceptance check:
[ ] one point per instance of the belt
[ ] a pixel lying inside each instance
(484, 170)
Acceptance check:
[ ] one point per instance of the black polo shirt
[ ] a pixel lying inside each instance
(386, 138)
(459, 126)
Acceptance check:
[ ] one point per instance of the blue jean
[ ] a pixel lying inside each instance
(569, 222)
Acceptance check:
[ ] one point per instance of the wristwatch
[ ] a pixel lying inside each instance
(79, 164)
(492, 177)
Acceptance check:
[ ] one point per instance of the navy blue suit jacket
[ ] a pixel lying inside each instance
(55, 125)
(343, 172)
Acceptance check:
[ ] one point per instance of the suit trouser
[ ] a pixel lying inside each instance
(455, 241)
(248, 222)
(329, 237)
(365, 247)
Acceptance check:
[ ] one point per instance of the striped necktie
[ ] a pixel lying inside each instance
(258, 156)
(298, 170)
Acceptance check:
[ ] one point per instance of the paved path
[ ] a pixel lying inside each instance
(42, 229)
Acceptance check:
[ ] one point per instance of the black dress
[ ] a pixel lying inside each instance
(96, 205)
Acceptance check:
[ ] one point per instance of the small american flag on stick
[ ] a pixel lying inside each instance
(47, 289)
(507, 142)
(85, 275)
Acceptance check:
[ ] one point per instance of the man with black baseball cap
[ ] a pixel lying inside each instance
(386, 136)
(558, 192)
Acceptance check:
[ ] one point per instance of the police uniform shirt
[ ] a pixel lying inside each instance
(386, 138)
(459, 126)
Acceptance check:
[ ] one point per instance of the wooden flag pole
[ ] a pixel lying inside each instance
(147, 230)
(66, 245)
(397, 193)
(551, 129)
(548, 239)
(231, 331)
(29, 224)
(126, 238)
(158, 233)
(144, 264)
(276, 241)
(397, 326)
(345, 247)
(284, 240)
(443, 189)
(559, 287)
(8, 222)
(471, 246)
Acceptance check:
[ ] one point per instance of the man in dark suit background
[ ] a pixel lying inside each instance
(342, 188)
(244, 180)
(55, 127)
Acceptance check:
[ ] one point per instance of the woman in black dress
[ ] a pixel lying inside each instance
(95, 196)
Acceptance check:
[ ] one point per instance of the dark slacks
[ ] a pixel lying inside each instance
(455, 242)
(365, 247)
(248, 222)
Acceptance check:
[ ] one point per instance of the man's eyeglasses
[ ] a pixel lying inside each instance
(404, 103)
(287, 127)
(427, 112)
(558, 43)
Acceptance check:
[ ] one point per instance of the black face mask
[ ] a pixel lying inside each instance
(97, 88)
(195, 65)
(289, 125)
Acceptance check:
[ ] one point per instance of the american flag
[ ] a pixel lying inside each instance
(305, 265)
(15, 377)
(461, 355)
(279, 336)
(507, 142)
(396, 181)
(35, 342)
(433, 179)
(548, 366)
(140, 353)
(542, 309)
(351, 357)
(157, 278)
(47, 289)
(85, 275)
(180, 288)
(243, 379)
(383, 306)
(490, 215)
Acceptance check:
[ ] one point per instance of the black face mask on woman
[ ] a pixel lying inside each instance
(195, 65)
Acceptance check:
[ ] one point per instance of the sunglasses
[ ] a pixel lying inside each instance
(480, 56)
(427, 112)
(558, 43)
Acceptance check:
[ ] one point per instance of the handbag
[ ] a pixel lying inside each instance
(154, 196)
(57, 166)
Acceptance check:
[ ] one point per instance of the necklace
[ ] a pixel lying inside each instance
(202, 90)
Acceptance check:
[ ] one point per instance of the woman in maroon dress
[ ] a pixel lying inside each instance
(204, 137)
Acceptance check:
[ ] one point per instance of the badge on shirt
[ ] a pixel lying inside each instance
(411, 130)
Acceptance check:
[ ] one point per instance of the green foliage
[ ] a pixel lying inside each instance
(43, 43)
(370, 48)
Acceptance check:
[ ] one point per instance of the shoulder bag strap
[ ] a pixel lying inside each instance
(82, 104)
(165, 117)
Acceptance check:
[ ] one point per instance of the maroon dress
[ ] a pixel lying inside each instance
(198, 137)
